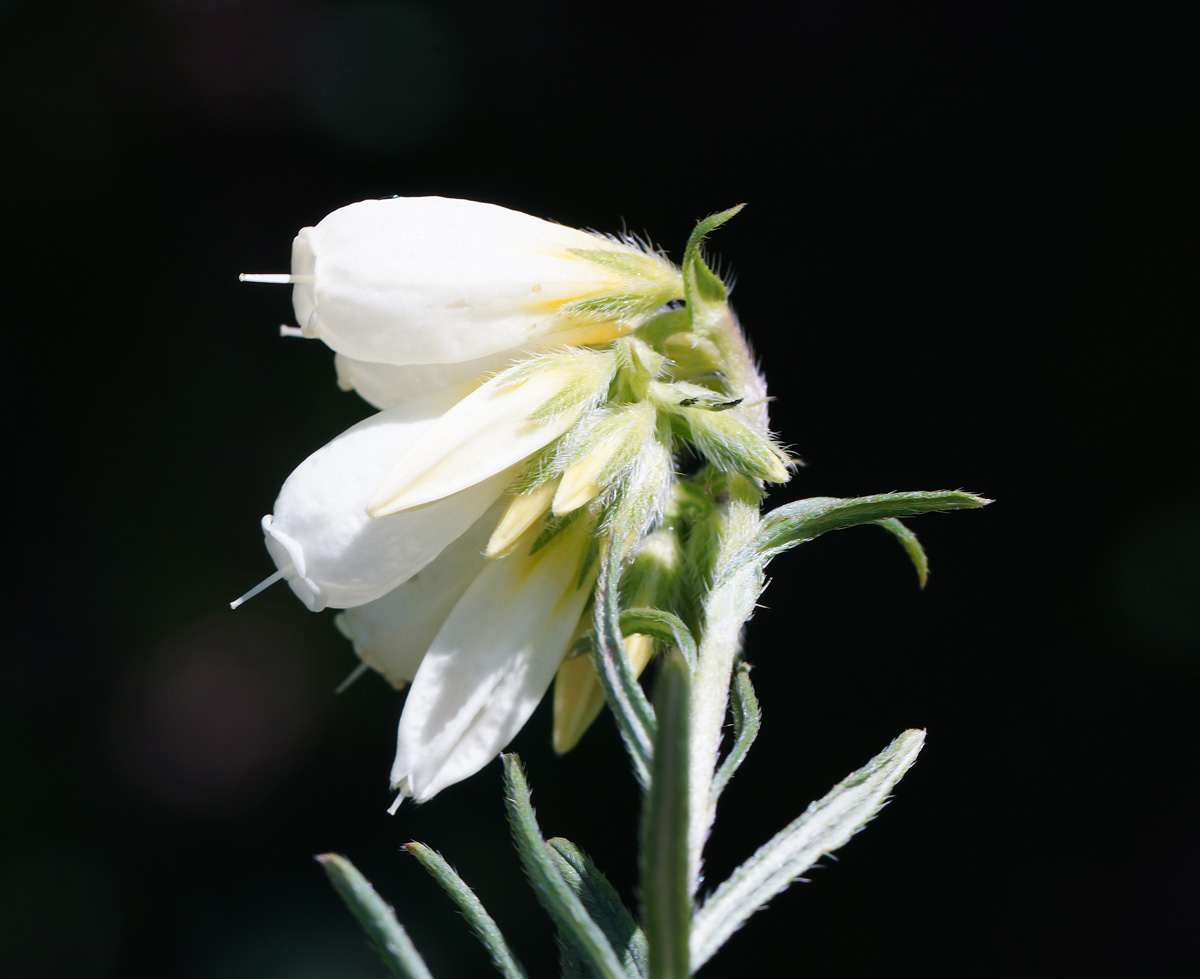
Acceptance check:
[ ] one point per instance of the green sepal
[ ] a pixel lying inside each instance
(727, 439)
(477, 918)
(701, 283)
(539, 469)
(626, 263)
(602, 902)
(645, 285)
(386, 934)
(552, 526)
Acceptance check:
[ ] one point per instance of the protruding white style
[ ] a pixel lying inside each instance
(258, 589)
(276, 278)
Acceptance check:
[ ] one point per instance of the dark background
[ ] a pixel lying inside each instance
(967, 260)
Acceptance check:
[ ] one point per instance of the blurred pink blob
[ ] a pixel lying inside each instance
(212, 719)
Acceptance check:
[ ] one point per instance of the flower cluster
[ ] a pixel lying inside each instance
(538, 388)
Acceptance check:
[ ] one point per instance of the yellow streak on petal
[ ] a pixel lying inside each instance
(522, 513)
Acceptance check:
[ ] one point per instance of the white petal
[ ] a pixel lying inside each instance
(486, 432)
(388, 385)
(490, 665)
(421, 280)
(391, 634)
(320, 535)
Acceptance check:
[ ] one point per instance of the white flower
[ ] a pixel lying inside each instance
(521, 432)
(482, 640)
(432, 280)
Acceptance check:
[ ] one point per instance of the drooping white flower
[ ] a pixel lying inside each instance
(433, 280)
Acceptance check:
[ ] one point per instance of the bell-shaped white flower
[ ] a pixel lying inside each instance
(491, 662)
(321, 537)
(432, 280)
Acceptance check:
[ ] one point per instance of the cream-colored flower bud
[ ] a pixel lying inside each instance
(424, 280)
(578, 695)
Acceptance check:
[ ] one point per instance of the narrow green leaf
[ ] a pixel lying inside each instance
(634, 715)
(912, 547)
(575, 925)
(746, 716)
(603, 903)
(479, 921)
(803, 520)
(390, 940)
(666, 896)
(826, 825)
